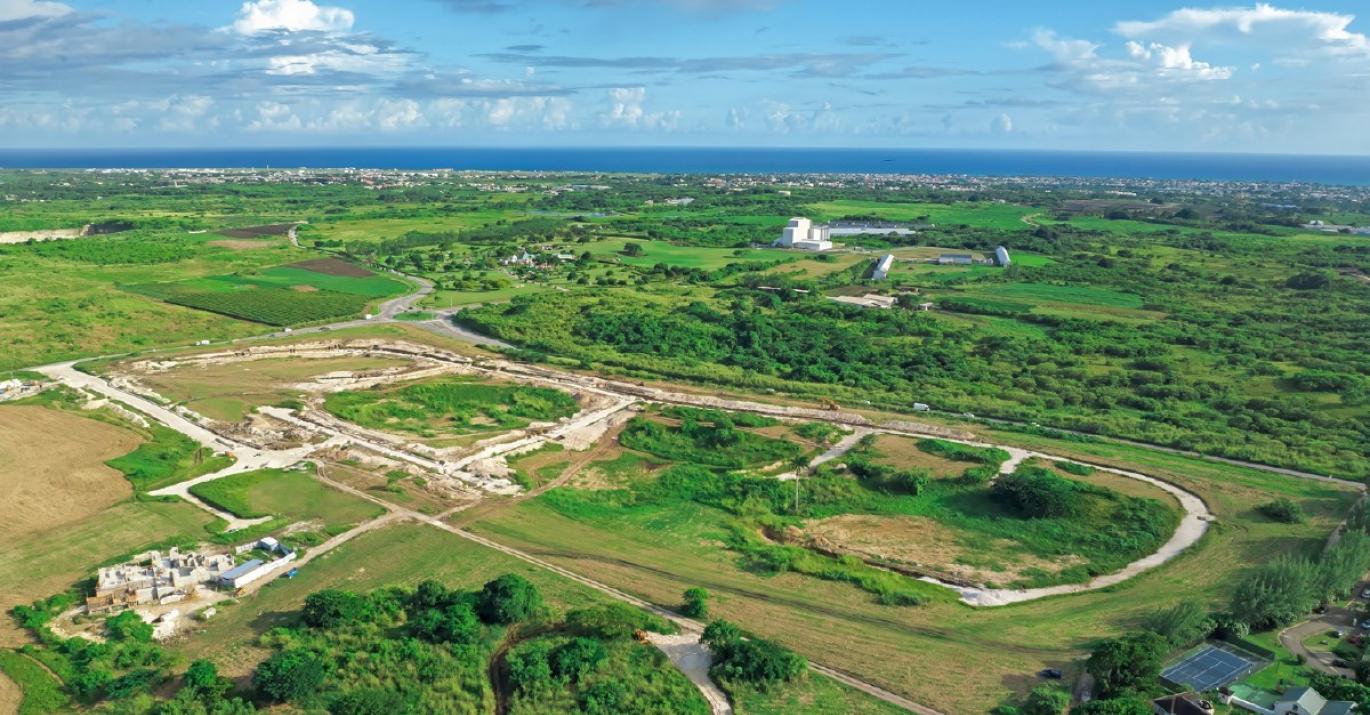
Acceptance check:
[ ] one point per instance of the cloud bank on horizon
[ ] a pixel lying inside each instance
(1065, 74)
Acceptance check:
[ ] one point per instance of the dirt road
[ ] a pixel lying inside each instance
(693, 659)
(686, 625)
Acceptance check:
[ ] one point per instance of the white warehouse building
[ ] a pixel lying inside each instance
(803, 235)
(882, 268)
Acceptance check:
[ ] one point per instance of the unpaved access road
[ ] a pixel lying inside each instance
(687, 625)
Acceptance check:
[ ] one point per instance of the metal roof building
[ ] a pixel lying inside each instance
(882, 268)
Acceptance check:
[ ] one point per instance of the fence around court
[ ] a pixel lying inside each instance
(1213, 664)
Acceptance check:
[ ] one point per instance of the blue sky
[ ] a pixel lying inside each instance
(1151, 76)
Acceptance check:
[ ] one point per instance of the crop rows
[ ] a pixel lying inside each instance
(272, 306)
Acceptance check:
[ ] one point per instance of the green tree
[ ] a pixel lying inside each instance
(1126, 665)
(696, 603)
(1046, 700)
(331, 608)
(1037, 493)
(509, 599)
(129, 626)
(528, 666)
(456, 623)
(288, 675)
(202, 678)
(576, 658)
(1183, 624)
(719, 635)
(1276, 593)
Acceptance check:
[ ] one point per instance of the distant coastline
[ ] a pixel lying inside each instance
(1343, 170)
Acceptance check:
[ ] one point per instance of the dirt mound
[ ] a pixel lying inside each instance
(922, 542)
(275, 229)
(333, 267)
(52, 469)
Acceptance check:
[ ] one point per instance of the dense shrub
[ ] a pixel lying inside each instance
(757, 662)
(572, 660)
(1037, 493)
(1046, 700)
(1126, 665)
(695, 603)
(509, 599)
(1283, 510)
(332, 608)
(288, 675)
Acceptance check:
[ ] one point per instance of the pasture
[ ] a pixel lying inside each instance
(288, 495)
(980, 214)
(707, 258)
(42, 563)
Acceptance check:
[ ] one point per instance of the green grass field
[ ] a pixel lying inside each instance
(167, 458)
(450, 407)
(654, 252)
(290, 495)
(979, 214)
(656, 554)
(42, 692)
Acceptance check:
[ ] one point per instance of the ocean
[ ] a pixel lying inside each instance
(1345, 170)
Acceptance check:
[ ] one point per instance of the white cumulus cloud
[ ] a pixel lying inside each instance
(626, 110)
(1175, 61)
(23, 9)
(291, 16)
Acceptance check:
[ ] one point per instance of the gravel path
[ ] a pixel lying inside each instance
(693, 659)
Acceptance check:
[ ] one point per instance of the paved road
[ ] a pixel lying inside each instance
(1292, 638)
(1338, 617)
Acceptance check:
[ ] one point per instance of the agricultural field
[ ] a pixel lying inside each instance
(53, 471)
(281, 295)
(976, 214)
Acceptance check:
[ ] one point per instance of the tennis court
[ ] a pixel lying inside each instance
(1210, 667)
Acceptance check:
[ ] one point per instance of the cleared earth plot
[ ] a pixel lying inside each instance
(52, 468)
(229, 391)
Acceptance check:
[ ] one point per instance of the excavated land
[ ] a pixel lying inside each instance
(484, 468)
